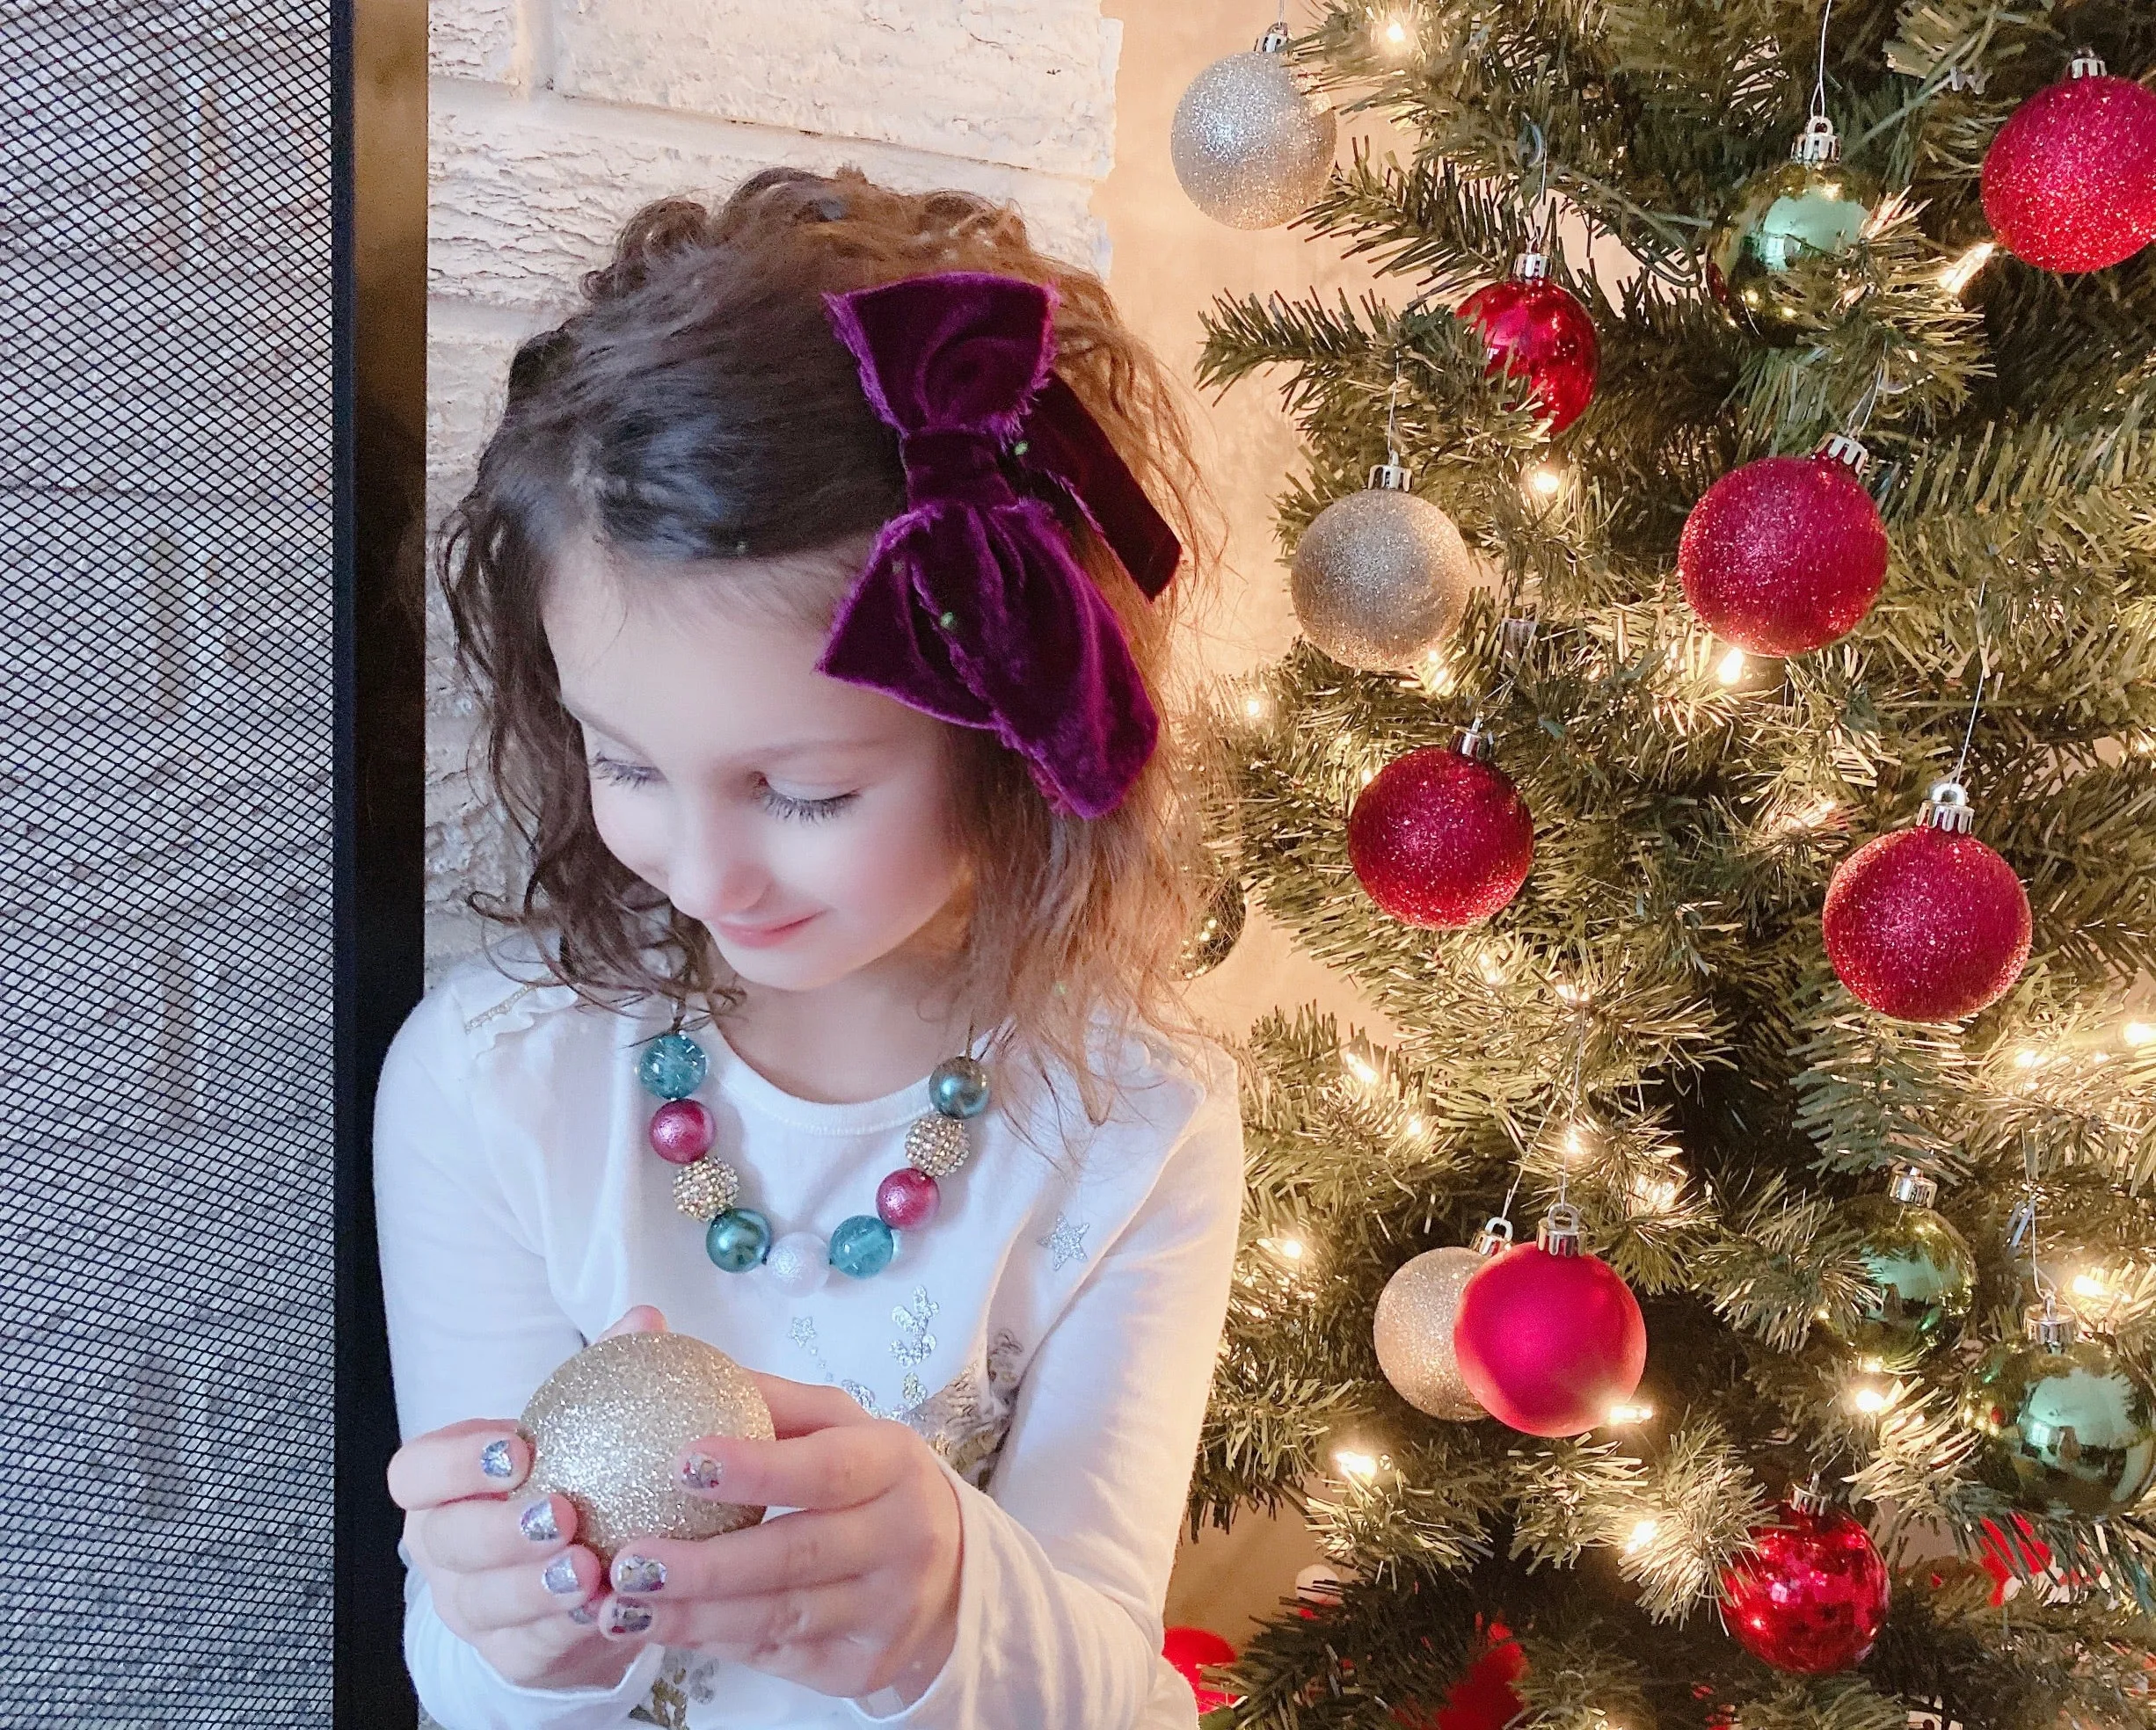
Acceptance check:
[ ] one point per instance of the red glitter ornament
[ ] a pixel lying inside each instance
(1927, 923)
(1812, 1597)
(1786, 554)
(1537, 330)
(1548, 1339)
(1188, 1650)
(2070, 181)
(1441, 838)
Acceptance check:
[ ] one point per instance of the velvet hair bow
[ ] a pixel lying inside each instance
(972, 606)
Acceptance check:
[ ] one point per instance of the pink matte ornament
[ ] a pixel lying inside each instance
(1548, 1343)
(681, 1131)
(906, 1199)
(1536, 330)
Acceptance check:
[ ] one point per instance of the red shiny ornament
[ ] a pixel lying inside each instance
(2070, 181)
(1440, 838)
(1548, 1343)
(1783, 554)
(907, 1198)
(1812, 1597)
(1188, 1650)
(680, 1131)
(1926, 924)
(1539, 332)
(1997, 1550)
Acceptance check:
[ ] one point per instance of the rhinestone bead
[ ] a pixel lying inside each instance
(906, 1201)
(799, 1263)
(680, 1131)
(737, 1239)
(937, 1145)
(863, 1245)
(706, 1189)
(959, 1087)
(673, 1065)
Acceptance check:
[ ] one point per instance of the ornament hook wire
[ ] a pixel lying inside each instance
(1976, 702)
(1818, 90)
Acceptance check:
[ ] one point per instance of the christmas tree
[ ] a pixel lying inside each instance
(1811, 542)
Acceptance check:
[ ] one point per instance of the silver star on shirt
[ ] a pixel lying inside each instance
(1065, 1242)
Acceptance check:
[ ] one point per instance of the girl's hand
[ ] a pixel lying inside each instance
(856, 1591)
(505, 1577)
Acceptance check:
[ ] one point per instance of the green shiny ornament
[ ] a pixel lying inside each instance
(1811, 212)
(2067, 1428)
(1219, 929)
(1925, 1270)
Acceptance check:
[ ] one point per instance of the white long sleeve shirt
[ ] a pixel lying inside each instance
(1051, 1333)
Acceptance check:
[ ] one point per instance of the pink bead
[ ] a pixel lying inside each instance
(681, 1131)
(907, 1198)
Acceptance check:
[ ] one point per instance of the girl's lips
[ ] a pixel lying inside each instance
(760, 936)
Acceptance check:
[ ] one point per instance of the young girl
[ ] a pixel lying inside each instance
(817, 583)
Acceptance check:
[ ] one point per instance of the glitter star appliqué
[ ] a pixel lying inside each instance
(1065, 1242)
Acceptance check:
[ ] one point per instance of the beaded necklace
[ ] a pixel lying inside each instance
(737, 1239)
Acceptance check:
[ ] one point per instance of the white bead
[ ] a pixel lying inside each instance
(798, 1263)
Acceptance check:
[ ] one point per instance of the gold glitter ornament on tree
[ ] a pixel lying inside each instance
(605, 1428)
(1380, 577)
(1413, 1327)
(1251, 142)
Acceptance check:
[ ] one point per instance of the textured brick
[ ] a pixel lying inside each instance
(1031, 84)
(489, 39)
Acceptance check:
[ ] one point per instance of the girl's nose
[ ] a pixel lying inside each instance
(715, 874)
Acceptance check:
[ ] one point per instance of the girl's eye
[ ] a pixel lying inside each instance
(807, 810)
(623, 775)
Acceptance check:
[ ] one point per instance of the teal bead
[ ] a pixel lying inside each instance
(737, 1239)
(863, 1245)
(959, 1087)
(673, 1066)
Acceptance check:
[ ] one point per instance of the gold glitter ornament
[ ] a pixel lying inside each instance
(1380, 577)
(937, 1145)
(605, 1428)
(1252, 143)
(707, 1188)
(1413, 1332)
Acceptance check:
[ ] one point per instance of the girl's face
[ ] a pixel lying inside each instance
(806, 822)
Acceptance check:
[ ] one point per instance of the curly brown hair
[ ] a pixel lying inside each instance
(697, 409)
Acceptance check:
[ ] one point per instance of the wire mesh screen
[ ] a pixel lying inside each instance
(166, 1292)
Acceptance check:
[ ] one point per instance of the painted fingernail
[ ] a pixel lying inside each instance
(638, 1574)
(496, 1460)
(629, 1618)
(583, 1613)
(561, 1574)
(701, 1471)
(537, 1522)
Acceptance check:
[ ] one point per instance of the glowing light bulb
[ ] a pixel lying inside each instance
(1643, 1535)
(1491, 965)
(1731, 667)
(1255, 708)
(1621, 1413)
(2028, 1057)
(2138, 1033)
(1360, 1068)
(1959, 275)
(1544, 482)
(1578, 1139)
(2088, 1285)
(1416, 1126)
(1871, 1397)
(1354, 1463)
(1291, 1249)
(1435, 674)
(1570, 994)
(1395, 33)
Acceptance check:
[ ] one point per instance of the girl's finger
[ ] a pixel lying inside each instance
(839, 1467)
(480, 1457)
(531, 1593)
(756, 1630)
(791, 1549)
(799, 1408)
(638, 1318)
(471, 1536)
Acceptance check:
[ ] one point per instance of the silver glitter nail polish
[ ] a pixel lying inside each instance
(496, 1460)
(630, 1619)
(561, 1574)
(537, 1524)
(638, 1574)
(583, 1613)
(701, 1471)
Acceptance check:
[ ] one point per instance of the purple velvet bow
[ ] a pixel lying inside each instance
(971, 607)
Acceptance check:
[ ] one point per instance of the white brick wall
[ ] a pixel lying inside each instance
(552, 119)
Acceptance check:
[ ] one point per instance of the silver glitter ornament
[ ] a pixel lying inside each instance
(937, 1145)
(1252, 145)
(1413, 1332)
(1380, 577)
(605, 1428)
(707, 1188)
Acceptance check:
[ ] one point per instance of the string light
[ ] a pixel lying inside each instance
(1360, 1068)
(1290, 1249)
(1435, 675)
(1546, 481)
(1394, 34)
(1255, 708)
(1870, 1396)
(1730, 668)
(2138, 1034)
(1643, 1535)
(1959, 275)
(1656, 1191)
(2088, 1285)
(1808, 817)
(1623, 1414)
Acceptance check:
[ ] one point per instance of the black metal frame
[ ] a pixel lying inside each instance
(380, 409)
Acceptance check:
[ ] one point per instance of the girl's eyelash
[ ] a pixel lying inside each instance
(808, 811)
(626, 774)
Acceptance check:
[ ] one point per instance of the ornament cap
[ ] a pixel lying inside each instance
(2050, 1327)
(1946, 807)
(1531, 267)
(1913, 1185)
(1476, 745)
(1559, 1231)
(1816, 144)
(1808, 1498)
(1515, 637)
(1495, 1238)
(1390, 475)
(1845, 448)
(2085, 63)
(1274, 40)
